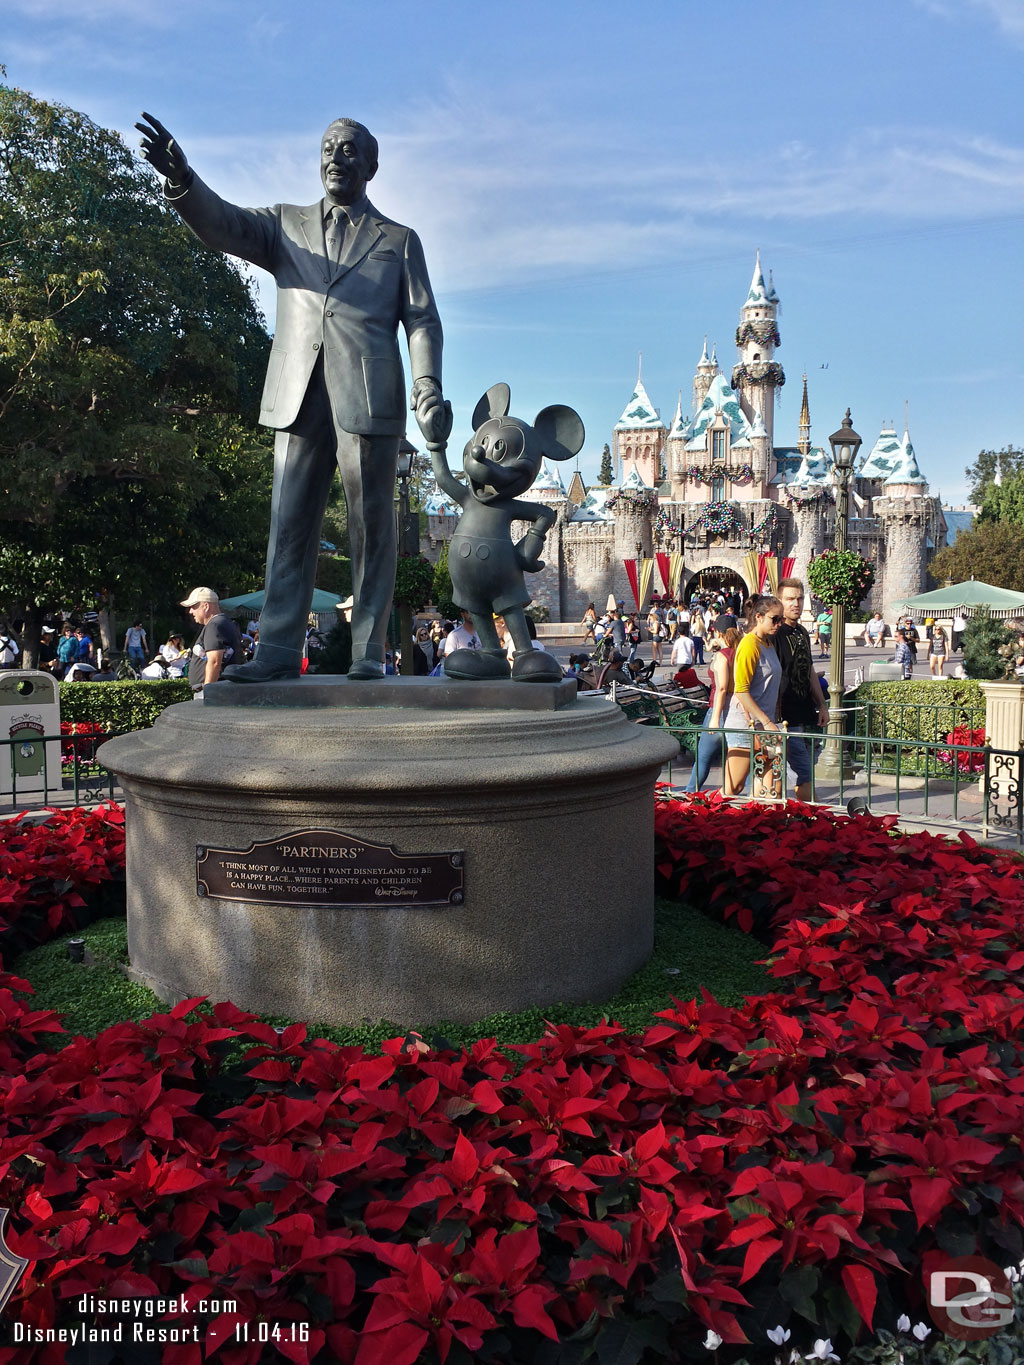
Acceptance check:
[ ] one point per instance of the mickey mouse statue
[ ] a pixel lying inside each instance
(501, 460)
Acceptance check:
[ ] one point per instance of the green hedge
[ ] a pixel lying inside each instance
(121, 706)
(894, 712)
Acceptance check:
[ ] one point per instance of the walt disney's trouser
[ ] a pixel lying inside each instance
(304, 460)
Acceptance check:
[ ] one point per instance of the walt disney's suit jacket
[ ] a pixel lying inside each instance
(348, 310)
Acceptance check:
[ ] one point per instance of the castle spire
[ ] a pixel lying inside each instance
(804, 444)
(757, 295)
(706, 371)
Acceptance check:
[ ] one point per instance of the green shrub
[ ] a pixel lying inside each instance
(414, 581)
(121, 706)
(334, 574)
(984, 639)
(539, 615)
(917, 710)
(442, 589)
(336, 655)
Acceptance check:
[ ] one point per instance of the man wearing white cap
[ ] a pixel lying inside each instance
(217, 643)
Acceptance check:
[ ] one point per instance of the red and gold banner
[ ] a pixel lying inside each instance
(664, 569)
(630, 566)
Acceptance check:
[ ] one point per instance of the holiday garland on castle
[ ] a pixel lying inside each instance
(766, 528)
(809, 499)
(644, 500)
(841, 578)
(709, 473)
(717, 517)
(664, 525)
(764, 372)
(767, 333)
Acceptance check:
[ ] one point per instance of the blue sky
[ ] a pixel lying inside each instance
(591, 180)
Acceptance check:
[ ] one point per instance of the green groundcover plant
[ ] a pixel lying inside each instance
(769, 1180)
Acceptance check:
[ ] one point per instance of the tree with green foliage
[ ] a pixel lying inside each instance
(984, 638)
(991, 550)
(131, 362)
(982, 473)
(1004, 501)
(605, 475)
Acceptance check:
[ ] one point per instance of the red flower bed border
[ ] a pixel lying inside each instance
(797, 1161)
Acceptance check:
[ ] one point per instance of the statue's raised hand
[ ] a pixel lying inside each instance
(161, 150)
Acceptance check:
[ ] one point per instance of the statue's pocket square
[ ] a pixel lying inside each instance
(383, 256)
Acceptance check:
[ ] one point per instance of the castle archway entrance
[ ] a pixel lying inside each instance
(715, 579)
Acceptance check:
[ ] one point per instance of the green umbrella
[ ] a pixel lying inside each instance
(253, 601)
(971, 593)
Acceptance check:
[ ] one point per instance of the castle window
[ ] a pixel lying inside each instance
(757, 355)
(718, 490)
(717, 446)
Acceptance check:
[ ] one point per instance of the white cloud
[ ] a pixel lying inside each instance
(1007, 15)
(503, 202)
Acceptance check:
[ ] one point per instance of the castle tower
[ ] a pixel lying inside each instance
(705, 373)
(633, 525)
(678, 435)
(757, 376)
(639, 439)
(907, 517)
(804, 443)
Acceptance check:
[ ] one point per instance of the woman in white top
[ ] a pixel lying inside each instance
(683, 653)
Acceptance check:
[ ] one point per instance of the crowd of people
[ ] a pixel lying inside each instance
(762, 669)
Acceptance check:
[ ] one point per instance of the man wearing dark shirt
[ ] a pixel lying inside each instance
(218, 641)
(801, 701)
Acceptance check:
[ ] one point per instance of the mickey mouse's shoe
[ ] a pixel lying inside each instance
(536, 666)
(476, 664)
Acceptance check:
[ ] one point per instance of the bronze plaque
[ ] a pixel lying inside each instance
(323, 867)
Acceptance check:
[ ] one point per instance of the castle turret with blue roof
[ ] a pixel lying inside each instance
(639, 438)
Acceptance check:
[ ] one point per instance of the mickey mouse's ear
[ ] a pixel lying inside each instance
(495, 403)
(560, 431)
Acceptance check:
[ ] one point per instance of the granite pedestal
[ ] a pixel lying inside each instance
(542, 801)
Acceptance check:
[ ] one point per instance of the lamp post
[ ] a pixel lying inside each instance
(408, 543)
(836, 760)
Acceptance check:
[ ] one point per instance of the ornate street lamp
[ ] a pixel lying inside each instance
(836, 759)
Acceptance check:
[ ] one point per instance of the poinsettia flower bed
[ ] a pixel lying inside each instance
(794, 1163)
(965, 762)
(50, 868)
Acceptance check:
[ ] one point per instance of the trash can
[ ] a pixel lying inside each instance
(880, 670)
(29, 710)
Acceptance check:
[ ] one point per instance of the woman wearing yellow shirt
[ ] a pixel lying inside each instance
(757, 673)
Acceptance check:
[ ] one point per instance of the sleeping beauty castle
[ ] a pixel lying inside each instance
(714, 503)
